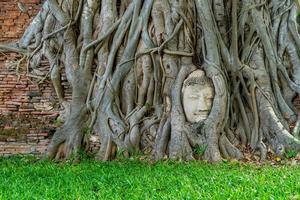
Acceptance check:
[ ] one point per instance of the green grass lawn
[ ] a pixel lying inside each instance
(24, 178)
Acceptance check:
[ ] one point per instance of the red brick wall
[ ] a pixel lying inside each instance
(12, 21)
(27, 110)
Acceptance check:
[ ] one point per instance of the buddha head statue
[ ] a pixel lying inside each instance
(197, 96)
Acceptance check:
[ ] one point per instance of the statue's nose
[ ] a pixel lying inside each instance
(201, 105)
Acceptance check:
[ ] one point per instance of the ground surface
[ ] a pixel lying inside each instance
(26, 178)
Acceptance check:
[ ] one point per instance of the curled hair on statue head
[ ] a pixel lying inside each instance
(198, 80)
(197, 77)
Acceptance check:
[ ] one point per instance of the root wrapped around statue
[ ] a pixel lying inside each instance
(171, 78)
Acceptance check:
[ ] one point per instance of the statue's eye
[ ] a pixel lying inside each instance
(194, 96)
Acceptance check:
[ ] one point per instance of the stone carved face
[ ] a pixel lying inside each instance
(197, 96)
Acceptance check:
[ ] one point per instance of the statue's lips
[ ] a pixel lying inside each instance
(202, 113)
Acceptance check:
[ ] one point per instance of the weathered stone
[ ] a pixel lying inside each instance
(197, 96)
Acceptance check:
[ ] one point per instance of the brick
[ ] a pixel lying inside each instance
(43, 134)
(26, 110)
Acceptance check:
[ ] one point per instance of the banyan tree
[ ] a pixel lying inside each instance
(170, 77)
